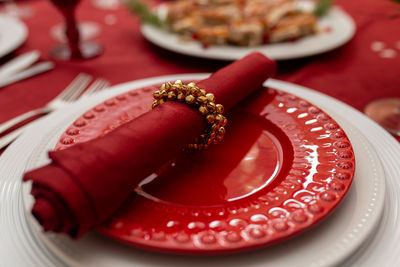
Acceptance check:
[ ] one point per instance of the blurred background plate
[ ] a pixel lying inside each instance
(13, 33)
(337, 29)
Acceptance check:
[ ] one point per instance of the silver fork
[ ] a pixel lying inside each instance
(96, 86)
(70, 93)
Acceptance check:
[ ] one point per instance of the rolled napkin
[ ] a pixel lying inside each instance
(86, 183)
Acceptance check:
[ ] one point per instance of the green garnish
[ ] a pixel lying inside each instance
(143, 11)
(322, 7)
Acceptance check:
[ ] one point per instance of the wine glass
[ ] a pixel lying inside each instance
(75, 48)
(386, 112)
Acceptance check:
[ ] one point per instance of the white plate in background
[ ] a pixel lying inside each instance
(341, 30)
(13, 34)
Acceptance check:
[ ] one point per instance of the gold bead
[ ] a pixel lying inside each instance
(164, 93)
(219, 118)
(211, 106)
(203, 110)
(224, 122)
(157, 95)
(202, 99)
(155, 104)
(212, 135)
(191, 85)
(161, 101)
(180, 96)
(190, 99)
(178, 83)
(175, 89)
(210, 97)
(167, 86)
(171, 95)
(220, 108)
(210, 118)
(195, 91)
(202, 92)
(221, 131)
(186, 90)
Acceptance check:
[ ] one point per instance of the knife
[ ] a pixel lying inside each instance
(29, 72)
(19, 63)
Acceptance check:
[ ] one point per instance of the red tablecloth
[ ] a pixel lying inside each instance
(366, 68)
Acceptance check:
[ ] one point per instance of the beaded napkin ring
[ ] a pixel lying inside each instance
(191, 94)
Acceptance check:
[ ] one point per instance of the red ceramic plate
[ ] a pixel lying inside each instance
(283, 166)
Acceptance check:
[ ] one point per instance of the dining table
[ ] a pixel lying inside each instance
(363, 70)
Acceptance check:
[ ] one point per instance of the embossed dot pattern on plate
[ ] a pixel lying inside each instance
(318, 175)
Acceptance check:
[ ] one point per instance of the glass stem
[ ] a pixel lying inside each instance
(72, 33)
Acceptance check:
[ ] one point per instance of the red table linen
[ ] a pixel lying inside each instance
(85, 184)
(362, 70)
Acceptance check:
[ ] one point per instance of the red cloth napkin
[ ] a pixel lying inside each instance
(87, 183)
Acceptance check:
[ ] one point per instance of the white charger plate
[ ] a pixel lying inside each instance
(13, 33)
(341, 25)
(330, 243)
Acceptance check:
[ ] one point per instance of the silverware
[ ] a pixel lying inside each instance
(98, 85)
(80, 83)
(29, 72)
(19, 63)
(70, 93)
(8, 138)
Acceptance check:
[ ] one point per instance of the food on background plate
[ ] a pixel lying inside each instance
(236, 22)
(240, 22)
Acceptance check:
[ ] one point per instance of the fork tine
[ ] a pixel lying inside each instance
(76, 89)
(67, 93)
(71, 87)
(93, 87)
(107, 84)
(97, 85)
(74, 94)
(103, 85)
